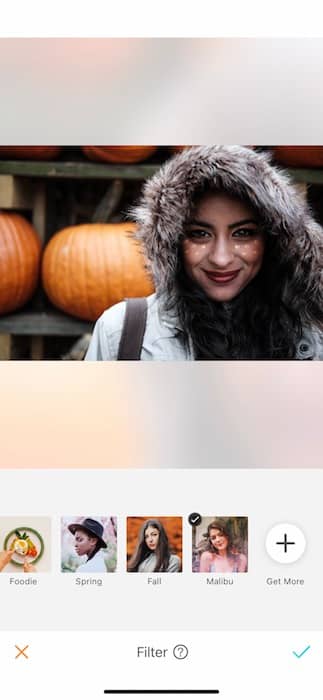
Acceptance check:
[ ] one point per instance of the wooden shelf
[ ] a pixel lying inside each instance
(109, 171)
(81, 170)
(44, 323)
(309, 177)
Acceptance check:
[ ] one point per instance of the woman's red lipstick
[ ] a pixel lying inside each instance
(222, 277)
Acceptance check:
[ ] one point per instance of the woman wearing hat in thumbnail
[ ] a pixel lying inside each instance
(236, 259)
(89, 543)
(152, 552)
(220, 555)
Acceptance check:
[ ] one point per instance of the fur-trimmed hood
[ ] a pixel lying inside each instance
(167, 200)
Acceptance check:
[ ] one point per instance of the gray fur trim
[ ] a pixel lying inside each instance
(167, 196)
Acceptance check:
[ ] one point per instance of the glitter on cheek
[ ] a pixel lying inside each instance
(190, 246)
(193, 252)
(250, 251)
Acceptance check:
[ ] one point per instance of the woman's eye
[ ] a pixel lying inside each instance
(245, 233)
(197, 234)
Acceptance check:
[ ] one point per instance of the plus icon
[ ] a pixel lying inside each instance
(285, 543)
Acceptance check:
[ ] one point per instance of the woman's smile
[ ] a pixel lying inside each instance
(222, 277)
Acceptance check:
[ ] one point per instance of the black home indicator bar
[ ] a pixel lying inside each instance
(162, 692)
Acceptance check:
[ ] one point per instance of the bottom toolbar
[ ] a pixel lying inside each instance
(91, 665)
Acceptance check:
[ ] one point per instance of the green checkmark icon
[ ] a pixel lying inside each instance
(301, 653)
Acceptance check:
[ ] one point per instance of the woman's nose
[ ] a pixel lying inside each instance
(221, 252)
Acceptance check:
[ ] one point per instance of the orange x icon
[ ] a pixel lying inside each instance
(21, 652)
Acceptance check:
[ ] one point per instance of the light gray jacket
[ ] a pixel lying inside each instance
(162, 339)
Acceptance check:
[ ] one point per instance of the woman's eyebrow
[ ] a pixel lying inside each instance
(198, 222)
(243, 222)
(207, 224)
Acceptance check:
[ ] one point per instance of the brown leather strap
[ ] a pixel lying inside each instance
(133, 330)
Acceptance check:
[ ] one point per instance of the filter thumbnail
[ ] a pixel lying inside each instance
(154, 544)
(25, 545)
(89, 544)
(220, 545)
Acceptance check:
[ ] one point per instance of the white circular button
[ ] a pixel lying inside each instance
(285, 543)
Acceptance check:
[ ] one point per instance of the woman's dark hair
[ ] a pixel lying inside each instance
(142, 551)
(96, 549)
(263, 322)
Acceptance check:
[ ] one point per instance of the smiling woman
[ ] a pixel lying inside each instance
(236, 259)
(223, 548)
(220, 555)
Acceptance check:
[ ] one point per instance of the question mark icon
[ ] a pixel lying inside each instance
(180, 651)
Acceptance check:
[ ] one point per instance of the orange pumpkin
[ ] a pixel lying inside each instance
(299, 156)
(30, 152)
(19, 261)
(88, 268)
(119, 154)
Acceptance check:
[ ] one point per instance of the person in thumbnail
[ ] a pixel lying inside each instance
(5, 559)
(89, 543)
(236, 259)
(152, 552)
(220, 555)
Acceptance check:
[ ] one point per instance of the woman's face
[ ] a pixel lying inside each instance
(84, 543)
(152, 537)
(223, 247)
(218, 539)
